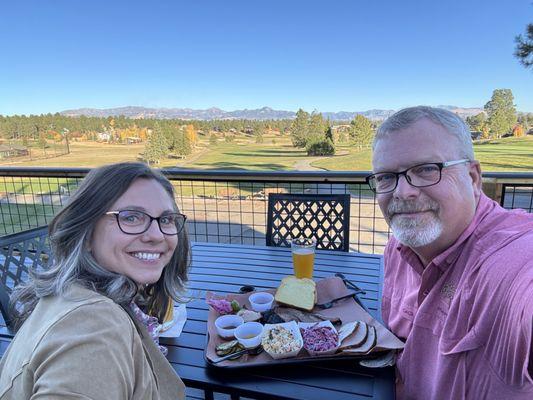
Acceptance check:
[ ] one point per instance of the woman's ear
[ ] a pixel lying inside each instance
(89, 241)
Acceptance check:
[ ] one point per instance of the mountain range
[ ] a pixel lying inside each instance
(264, 113)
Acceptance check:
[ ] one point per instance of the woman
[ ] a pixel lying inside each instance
(120, 247)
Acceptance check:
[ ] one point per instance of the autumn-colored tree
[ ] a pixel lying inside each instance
(58, 137)
(518, 130)
(191, 134)
(143, 134)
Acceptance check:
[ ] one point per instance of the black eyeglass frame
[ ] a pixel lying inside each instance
(158, 219)
(441, 166)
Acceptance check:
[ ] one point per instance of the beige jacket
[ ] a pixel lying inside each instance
(85, 346)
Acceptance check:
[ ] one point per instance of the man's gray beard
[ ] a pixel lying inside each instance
(416, 233)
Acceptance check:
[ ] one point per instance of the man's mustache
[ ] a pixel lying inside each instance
(402, 206)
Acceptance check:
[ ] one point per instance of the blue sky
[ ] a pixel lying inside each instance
(319, 55)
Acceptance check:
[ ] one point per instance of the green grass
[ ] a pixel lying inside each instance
(508, 154)
(249, 156)
(37, 185)
(85, 154)
(19, 217)
(357, 160)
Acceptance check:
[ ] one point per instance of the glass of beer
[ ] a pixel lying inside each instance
(168, 320)
(303, 257)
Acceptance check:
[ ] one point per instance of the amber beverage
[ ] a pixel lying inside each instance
(169, 316)
(303, 257)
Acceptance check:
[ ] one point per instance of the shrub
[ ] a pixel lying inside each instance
(320, 147)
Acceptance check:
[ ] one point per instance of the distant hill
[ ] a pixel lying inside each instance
(463, 112)
(257, 114)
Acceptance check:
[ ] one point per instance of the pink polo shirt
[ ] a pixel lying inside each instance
(467, 317)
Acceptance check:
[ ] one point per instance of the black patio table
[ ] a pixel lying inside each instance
(225, 268)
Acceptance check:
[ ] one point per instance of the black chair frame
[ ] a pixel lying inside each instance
(323, 217)
(20, 253)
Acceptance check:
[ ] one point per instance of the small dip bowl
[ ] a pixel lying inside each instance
(261, 301)
(249, 334)
(226, 325)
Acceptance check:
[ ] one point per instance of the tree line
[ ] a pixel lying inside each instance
(176, 137)
(173, 137)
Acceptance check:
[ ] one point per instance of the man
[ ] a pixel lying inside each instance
(458, 282)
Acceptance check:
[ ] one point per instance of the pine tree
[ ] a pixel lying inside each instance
(182, 143)
(156, 148)
(300, 128)
(477, 122)
(362, 131)
(317, 127)
(329, 133)
(501, 112)
(42, 142)
(524, 47)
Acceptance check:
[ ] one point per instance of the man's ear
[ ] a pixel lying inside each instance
(474, 171)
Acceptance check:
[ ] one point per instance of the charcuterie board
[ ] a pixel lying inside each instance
(360, 335)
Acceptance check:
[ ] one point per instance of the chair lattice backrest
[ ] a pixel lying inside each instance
(323, 217)
(20, 253)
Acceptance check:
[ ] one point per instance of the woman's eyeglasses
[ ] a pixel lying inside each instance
(135, 222)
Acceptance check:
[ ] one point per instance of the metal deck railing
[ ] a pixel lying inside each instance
(231, 206)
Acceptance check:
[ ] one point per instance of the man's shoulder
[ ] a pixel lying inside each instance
(501, 224)
(504, 269)
(507, 239)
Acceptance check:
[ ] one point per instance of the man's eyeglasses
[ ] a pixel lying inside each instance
(420, 175)
(134, 222)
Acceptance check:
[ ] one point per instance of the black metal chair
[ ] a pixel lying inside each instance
(323, 217)
(19, 253)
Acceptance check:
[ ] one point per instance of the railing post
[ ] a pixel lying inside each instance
(493, 189)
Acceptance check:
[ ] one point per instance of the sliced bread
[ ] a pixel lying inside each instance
(297, 293)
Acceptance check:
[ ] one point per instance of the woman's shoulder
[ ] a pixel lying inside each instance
(83, 307)
(71, 341)
(78, 311)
